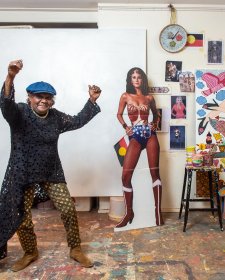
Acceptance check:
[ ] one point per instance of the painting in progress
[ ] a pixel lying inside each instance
(210, 106)
(210, 119)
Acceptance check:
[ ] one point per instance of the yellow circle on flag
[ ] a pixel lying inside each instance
(122, 151)
(191, 39)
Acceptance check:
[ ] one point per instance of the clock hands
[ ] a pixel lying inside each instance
(175, 35)
(172, 36)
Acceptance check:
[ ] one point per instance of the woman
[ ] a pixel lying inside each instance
(142, 135)
(178, 110)
(34, 164)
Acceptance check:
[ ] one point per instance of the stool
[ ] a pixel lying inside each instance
(212, 175)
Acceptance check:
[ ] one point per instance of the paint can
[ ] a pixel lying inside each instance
(197, 160)
(190, 151)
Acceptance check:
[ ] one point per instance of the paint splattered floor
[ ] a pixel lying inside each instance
(157, 253)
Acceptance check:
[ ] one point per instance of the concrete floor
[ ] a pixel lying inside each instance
(157, 253)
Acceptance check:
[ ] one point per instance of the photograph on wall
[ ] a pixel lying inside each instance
(173, 70)
(215, 52)
(187, 81)
(210, 105)
(195, 40)
(178, 107)
(177, 137)
(163, 119)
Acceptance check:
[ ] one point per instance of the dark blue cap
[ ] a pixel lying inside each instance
(41, 87)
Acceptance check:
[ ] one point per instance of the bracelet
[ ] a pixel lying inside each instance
(124, 125)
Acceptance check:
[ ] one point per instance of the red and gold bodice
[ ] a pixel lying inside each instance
(138, 113)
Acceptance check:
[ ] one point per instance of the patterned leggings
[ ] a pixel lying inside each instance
(60, 196)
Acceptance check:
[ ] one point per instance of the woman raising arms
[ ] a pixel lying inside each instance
(142, 135)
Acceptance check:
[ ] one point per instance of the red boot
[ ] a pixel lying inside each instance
(157, 190)
(129, 214)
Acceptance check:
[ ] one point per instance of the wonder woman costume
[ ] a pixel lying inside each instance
(141, 129)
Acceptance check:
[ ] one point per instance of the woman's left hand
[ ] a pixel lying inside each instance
(94, 92)
(153, 126)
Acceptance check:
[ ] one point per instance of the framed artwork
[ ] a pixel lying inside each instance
(178, 107)
(173, 70)
(177, 137)
(215, 52)
(187, 82)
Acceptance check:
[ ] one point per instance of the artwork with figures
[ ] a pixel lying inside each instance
(210, 116)
(177, 137)
(187, 81)
(215, 52)
(210, 106)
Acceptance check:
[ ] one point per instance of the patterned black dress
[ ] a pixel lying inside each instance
(34, 157)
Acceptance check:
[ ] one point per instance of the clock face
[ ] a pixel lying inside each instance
(173, 38)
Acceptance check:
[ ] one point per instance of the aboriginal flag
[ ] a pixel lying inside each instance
(194, 40)
(121, 148)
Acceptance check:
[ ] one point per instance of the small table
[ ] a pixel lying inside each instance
(212, 175)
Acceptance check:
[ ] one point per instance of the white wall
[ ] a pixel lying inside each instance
(195, 19)
(49, 15)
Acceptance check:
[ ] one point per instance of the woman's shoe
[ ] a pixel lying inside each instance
(79, 256)
(128, 218)
(26, 260)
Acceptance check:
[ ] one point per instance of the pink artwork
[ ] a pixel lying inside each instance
(210, 105)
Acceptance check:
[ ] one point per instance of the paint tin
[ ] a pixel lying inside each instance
(197, 160)
(190, 149)
(189, 161)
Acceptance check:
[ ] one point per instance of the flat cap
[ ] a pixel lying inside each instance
(41, 87)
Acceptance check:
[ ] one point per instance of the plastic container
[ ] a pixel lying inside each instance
(197, 160)
(117, 208)
(190, 149)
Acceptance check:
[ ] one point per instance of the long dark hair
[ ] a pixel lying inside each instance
(144, 87)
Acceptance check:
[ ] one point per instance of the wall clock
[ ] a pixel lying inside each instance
(173, 38)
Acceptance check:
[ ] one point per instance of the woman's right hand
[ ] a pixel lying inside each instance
(14, 67)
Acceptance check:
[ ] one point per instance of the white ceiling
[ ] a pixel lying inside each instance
(93, 4)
